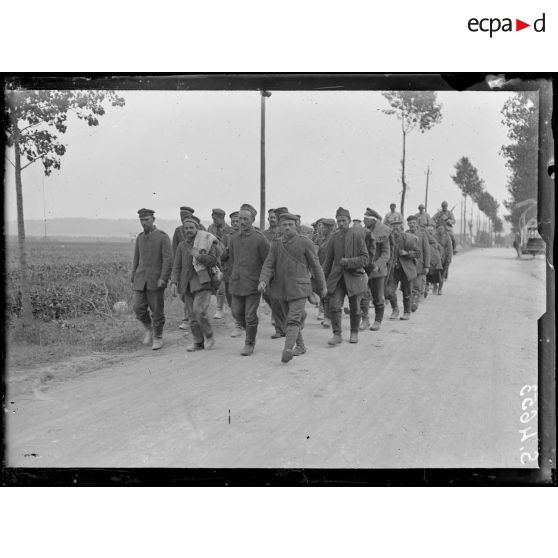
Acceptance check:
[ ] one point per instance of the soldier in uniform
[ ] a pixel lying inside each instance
(247, 252)
(404, 269)
(151, 270)
(221, 231)
(178, 236)
(446, 216)
(287, 271)
(423, 218)
(357, 223)
(346, 258)
(434, 275)
(392, 216)
(325, 228)
(446, 252)
(272, 232)
(423, 262)
(379, 252)
(195, 257)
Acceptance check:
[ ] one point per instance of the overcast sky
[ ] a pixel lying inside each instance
(324, 149)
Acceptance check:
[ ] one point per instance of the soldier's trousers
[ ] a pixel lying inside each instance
(198, 305)
(417, 289)
(245, 314)
(154, 301)
(336, 300)
(398, 276)
(277, 313)
(295, 316)
(452, 239)
(377, 288)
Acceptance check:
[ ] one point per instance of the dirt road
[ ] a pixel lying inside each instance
(441, 390)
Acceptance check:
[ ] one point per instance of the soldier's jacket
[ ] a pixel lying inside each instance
(435, 249)
(272, 234)
(424, 246)
(183, 271)
(321, 244)
(442, 216)
(444, 241)
(179, 235)
(247, 253)
(351, 245)
(287, 268)
(220, 233)
(391, 217)
(408, 262)
(424, 219)
(382, 253)
(152, 260)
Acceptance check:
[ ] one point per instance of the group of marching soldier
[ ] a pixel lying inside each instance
(362, 260)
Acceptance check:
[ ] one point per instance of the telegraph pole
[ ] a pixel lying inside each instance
(264, 94)
(426, 195)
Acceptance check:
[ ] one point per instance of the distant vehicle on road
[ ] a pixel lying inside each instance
(531, 241)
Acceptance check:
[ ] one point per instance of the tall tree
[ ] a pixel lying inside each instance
(468, 181)
(521, 118)
(34, 120)
(415, 109)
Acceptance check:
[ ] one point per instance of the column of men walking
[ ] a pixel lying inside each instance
(363, 260)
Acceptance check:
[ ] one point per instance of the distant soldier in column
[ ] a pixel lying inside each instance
(151, 270)
(446, 252)
(392, 216)
(220, 230)
(287, 269)
(226, 267)
(357, 224)
(272, 231)
(247, 252)
(195, 257)
(379, 252)
(346, 258)
(423, 262)
(434, 275)
(325, 229)
(446, 216)
(404, 270)
(423, 218)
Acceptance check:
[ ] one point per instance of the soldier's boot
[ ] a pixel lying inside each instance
(197, 343)
(300, 348)
(157, 343)
(414, 301)
(355, 324)
(219, 315)
(394, 309)
(290, 340)
(406, 309)
(237, 331)
(209, 342)
(321, 312)
(364, 322)
(378, 319)
(148, 337)
(440, 290)
(278, 334)
(326, 323)
(434, 289)
(426, 290)
(335, 318)
(250, 340)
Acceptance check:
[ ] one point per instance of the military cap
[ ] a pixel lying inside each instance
(444, 203)
(328, 222)
(271, 210)
(288, 217)
(421, 206)
(396, 222)
(373, 214)
(188, 209)
(411, 218)
(392, 205)
(357, 220)
(191, 219)
(233, 214)
(248, 207)
(218, 211)
(145, 212)
(280, 210)
(342, 212)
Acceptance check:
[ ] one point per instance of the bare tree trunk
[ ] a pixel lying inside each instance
(27, 309)
(403, 183)
(464, 216)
